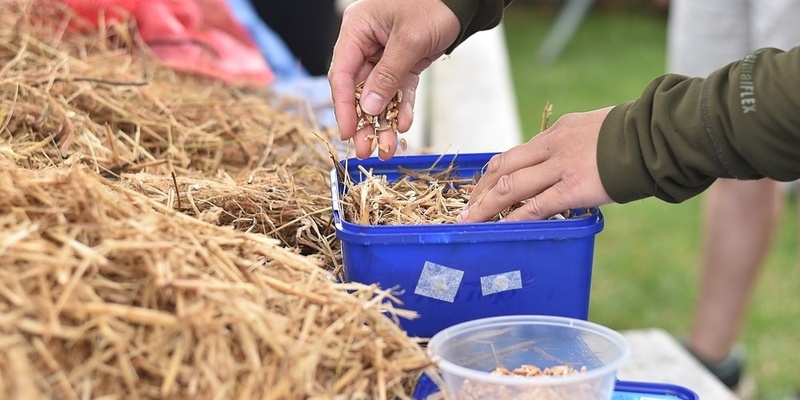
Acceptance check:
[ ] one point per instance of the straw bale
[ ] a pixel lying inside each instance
(99, 99)
(104, 291)
(167, 236)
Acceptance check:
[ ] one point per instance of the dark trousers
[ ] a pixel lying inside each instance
(309, 28)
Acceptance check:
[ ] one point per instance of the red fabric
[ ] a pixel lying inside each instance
(199, 36)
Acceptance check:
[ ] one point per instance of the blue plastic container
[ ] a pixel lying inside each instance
(451, 273)
(623, 390)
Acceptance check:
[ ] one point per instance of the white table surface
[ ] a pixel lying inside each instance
(657, 357)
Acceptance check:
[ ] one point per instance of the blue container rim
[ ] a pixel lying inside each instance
(426, 387)
(571, 228)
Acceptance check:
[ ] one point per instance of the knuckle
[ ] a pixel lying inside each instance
(533, 208)
(385, 79)
(504, 186)
(559, 157)
(570, 181)
(495, 164)
(566, 119)
(411, 39)
(571, 188)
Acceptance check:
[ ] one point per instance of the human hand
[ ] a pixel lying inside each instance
(387, 44)
(553, 172)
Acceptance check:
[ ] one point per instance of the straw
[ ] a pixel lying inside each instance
(435, 195)
(167, 236)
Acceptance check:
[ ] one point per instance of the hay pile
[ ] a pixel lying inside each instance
(165, 236)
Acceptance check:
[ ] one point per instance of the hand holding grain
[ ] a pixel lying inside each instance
(386, 44)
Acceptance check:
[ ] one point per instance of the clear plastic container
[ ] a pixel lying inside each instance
(467, 353)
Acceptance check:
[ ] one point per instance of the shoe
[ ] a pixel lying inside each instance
(730, 372)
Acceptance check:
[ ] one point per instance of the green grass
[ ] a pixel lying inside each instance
(609, 60)
(646, 259)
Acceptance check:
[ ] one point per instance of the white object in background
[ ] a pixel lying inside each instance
(467, 102)
(342, 4)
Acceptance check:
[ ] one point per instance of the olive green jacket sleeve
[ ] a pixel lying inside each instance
(742, 122)
(475, 16)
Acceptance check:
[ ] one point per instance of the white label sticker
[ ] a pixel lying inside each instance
(506, 281)
(439, 282)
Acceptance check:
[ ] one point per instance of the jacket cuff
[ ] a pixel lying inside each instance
(621, 166)
(465, 10)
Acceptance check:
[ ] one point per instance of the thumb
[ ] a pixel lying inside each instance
(386, 78)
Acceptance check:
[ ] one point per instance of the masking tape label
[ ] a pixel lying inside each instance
(439, 282)
(506, 281)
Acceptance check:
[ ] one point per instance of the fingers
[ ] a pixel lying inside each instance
(387, 144)
(553, 172)
(367, 141)
(546, 204)
(347, 60)
(503, 164)
(510, 189)
(405, 110)
(379, 132)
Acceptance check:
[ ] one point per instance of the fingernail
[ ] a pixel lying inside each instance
(464, 214)
(384, 155)
(372, 103)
